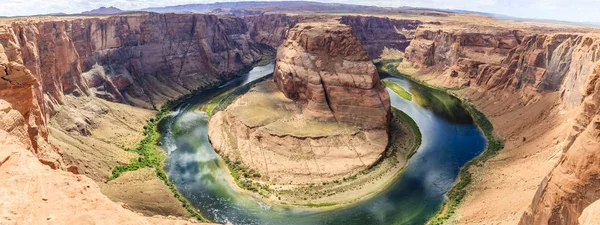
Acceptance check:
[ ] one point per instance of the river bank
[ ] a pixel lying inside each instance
(493, 146)
(450, 139)
(404, 139)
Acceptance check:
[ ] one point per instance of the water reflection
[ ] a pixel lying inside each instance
(450, 139)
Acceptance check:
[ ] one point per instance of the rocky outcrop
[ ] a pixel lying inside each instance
(377, 34)
(270, 29)
(21, 114)
(528, 68)
(32, 193)
(325, 117)
(143, 60)
(266, 132)
(52, 69)
(323, 66)
(464, 56)
(572, 186)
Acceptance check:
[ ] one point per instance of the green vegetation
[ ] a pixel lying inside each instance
(494, 145)
(392, 69)
(399, 117)
(458, 192)
(242, 175)
(151, 157)
(398, 89)
(313, 205)
(434, 98)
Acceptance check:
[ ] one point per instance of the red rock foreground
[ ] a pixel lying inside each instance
(33, 193)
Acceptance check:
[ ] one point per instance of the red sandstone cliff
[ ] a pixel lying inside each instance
(323, 66)
(375, 34)
(378, 33)
(49, 66)
(526, 70)
(143, 60)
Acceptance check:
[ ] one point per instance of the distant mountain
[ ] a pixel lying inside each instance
(270, 5)
(103, 11)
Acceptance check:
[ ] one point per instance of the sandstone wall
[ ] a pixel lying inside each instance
(323, 66)
(377, 34)
(143, 60)
(270, 29)
(504, 63)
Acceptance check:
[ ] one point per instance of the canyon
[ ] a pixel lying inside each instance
(77, 90)
(323, 118)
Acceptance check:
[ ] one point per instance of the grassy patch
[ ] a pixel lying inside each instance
(458, 192)
(242, 176)
(399, 117)
(494, 145)
(398, 89)
(151, 157)
(313, 205)
(392, 69)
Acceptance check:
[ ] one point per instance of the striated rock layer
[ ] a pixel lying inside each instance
(143, 60)
(378, 34)
(325, 116)
(53, 70)
(265, 131)
(323, 66)
(548, 82)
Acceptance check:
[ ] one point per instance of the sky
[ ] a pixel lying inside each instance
(565, 10)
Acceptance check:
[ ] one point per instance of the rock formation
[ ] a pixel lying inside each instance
(327, 121)
(535, 72)
(33, 193)
(143, 60)
(53, 69)
(377, 34)
(270, 29)
(323, 66)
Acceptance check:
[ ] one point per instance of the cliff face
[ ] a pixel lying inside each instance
(51, 196)
(323, 118)
(143, 60)
(293, 149)
(270, 29)
(377, 34)
(528, 69)
(323, 66)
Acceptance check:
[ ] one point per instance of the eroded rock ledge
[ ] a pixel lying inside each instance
(324, 67)
(325, 117)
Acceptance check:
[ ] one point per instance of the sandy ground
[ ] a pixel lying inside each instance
(505, 186)
(111, 127)
(143, 191)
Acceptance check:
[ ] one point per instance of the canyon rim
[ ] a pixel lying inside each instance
(84, 97)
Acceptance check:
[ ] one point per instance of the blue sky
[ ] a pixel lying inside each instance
(568, 10)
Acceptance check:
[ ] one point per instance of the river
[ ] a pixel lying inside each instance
(449, 140)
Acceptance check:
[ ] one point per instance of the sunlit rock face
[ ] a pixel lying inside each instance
(323, 117)
(323, 67)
